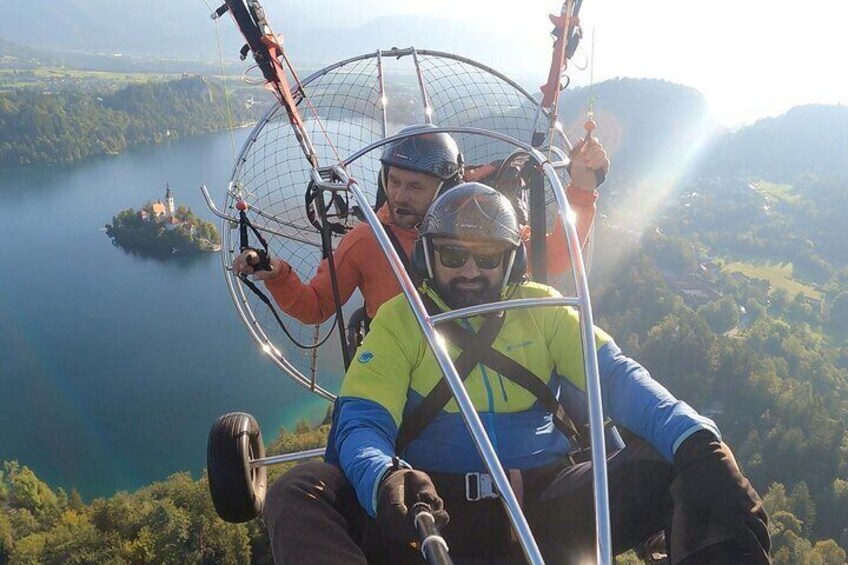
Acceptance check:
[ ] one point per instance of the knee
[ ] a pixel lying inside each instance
(725, 552)
(304, 483)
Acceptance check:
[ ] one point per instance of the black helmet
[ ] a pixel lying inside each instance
(472, 211)
(475, 212)
(434, 154)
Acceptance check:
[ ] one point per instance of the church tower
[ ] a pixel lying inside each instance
(169, 201)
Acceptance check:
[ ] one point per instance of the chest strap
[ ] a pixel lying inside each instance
(477, 348)
(440, 395)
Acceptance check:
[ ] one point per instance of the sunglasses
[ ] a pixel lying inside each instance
(454, 257)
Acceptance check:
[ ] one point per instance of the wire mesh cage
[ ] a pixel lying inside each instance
(346, 107)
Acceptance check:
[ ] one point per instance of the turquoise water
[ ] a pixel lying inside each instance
(113, 367)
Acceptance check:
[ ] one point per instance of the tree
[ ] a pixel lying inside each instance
(838, 318)
(722, 315)
(678, 351)
(775, 500)
(756, 311)
(29, 493)
(779, 300)
(803, 506)
(6, 538)
(828, 552)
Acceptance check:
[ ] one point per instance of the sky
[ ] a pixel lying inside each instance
(750, 58)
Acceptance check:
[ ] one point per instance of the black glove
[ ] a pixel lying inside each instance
(711, 484)
(399, 491)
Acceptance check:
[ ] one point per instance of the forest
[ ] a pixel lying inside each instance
(48, 127)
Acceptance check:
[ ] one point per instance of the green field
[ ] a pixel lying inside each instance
(53, 78)
(778, 275)
(783, 192)
(44, 77)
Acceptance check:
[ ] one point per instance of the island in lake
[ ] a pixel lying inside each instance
(162, 229)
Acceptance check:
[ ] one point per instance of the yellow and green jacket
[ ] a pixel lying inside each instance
(394, 370)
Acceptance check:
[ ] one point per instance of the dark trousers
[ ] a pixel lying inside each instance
(314, 518)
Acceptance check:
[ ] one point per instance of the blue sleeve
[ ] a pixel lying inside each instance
(635, 400)
(364, 440)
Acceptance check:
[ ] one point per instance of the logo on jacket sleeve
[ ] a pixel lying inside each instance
(365, 357)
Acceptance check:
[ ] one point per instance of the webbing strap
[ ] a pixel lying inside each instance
(404, 258)
(264, 263)
(476, 350)
(472, 350)
(523, 377)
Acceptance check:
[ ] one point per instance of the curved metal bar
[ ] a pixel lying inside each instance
(287, 457)
(469, 413)
(258, 334)
(601, 492)
(562, 159)
(593, 382)
(502, 306)
(214, 209)
(539, 156)
(405, 52)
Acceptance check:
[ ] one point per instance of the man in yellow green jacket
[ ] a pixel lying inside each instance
(397, 439)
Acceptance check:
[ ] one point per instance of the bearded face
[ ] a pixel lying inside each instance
(468, 273)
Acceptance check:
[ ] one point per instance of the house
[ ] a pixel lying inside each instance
(158, 211)
(163, 210)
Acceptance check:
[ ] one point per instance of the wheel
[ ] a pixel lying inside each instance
(238, 491)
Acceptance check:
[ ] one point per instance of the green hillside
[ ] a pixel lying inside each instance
(43, 127)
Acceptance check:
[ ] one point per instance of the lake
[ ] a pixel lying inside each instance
(113, 367)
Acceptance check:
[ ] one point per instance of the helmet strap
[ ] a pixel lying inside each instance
(508, 270)
(428, 257)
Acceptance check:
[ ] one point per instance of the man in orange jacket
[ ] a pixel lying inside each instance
(415, 170)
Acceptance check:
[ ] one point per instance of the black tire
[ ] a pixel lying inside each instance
(238, 492)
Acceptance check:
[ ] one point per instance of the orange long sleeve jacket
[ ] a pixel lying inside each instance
(360, 263)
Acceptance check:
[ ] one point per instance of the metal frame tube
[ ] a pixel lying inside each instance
(502, 306)
(233, 220)
(603, 531)
(428, 110)
(287, 457)
(384, 100)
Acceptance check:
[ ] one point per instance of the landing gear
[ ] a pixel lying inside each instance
(237, 487)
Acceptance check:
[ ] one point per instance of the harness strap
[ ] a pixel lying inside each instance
(526, 379)
(404, 258)
(264, 263)
(475, 349)
(468, 358)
